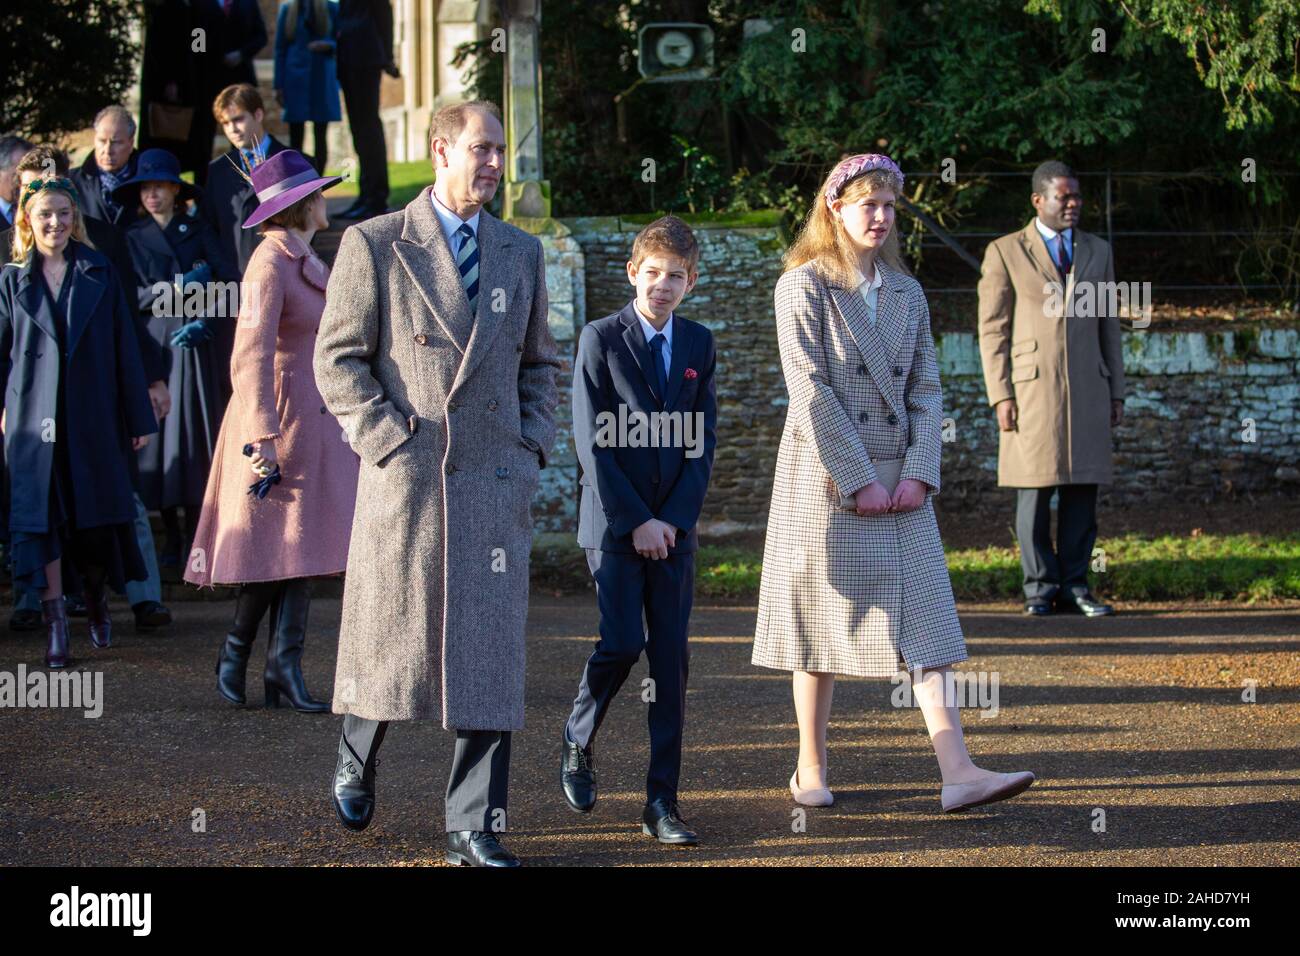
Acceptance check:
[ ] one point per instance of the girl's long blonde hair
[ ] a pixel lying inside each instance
(320, 14)
(23, 240)
(823, 241)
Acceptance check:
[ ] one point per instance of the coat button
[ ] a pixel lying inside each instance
(421, 338)
(862, 370)
(898, 370)
(862, 416)
(322, 409)
(492, 405)
(503, 472)
(451, 469)
(893, 419)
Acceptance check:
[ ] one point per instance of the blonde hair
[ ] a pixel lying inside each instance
(24, 241)
(823, 241)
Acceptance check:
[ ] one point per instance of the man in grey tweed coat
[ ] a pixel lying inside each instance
(435, 354)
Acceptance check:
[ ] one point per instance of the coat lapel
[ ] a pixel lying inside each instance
(495, 248)
(35, 302)
(88, 287)
(1037, 249)
(634, 337)
(879, 346)
(426, 257)
(682, 342)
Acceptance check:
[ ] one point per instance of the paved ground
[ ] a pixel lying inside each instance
(1139, 715)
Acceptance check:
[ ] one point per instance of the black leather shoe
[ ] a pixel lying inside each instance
(1084, 604)
(353, 793)
(475, 848)
(1038, 607)
(150, 615)
(661, 820)
(25, 620)
(578, 775)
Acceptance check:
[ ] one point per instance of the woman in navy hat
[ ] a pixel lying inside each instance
(167, 241)
(272, 542)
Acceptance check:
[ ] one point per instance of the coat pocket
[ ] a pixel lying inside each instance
(1023, 373)
(1104, 370)
(1023, 348)
(282, 386)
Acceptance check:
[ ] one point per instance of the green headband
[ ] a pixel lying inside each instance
(36, 185)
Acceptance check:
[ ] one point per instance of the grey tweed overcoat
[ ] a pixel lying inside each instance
(452, 415)
(843, 593)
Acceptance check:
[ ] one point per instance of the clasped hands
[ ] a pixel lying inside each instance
(874, 499)
(653, 539)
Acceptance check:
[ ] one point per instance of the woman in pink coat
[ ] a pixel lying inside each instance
(279, 500)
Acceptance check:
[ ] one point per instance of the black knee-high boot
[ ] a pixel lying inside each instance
(232, 661)
(284, 652)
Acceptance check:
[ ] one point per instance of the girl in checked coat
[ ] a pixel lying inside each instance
(854, 579)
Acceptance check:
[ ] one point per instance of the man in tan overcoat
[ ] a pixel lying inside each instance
(1054, 371)
(435, 355)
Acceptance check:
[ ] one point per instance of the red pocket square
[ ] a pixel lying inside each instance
(691, 373)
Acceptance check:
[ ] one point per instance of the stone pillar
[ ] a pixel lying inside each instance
(527, 194)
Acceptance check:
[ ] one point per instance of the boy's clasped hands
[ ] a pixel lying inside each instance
(653, 539)
(874, 499)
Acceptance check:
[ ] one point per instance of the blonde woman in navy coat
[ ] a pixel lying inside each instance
(75, 406)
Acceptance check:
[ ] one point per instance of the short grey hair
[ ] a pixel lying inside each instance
(116, 112)
(12, 149)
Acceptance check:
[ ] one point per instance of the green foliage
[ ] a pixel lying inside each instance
(63, 61)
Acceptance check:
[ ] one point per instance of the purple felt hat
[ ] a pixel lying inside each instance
(281, 181)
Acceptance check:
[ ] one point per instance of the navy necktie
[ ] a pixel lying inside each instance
(1063, 252)
(467, 263)
(657, 344)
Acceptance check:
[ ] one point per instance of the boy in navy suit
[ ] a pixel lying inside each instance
(644, 413)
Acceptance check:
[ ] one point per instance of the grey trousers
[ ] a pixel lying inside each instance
(479, 782)
(1047, 570)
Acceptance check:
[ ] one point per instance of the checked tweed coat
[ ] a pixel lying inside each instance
(843, 593)
(452, 415)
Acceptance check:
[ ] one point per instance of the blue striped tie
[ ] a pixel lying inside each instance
(467, 263)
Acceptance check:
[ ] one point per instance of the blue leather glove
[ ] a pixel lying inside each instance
(192, 334)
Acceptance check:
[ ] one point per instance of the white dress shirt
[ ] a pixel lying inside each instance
(650, 332)
(451, 224)
(869, 291)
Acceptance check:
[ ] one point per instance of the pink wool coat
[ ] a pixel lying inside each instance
(301, 528)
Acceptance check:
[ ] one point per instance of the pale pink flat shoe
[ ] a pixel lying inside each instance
(960, 796)
(812, 797)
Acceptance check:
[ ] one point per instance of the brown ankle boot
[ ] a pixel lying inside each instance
(55, 617)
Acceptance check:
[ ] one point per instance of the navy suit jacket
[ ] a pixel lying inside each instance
(623, 486)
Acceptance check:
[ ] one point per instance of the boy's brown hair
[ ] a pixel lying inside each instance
(243, 95)
(667, 235)
(43, 160)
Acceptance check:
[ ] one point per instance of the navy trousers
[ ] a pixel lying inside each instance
(644, 605)
(1048, 571)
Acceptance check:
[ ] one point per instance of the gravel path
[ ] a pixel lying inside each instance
(1139, 716)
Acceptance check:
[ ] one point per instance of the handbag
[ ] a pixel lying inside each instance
(888, 472)
(167, 121)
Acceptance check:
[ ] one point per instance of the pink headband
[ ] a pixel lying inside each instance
(846, 169)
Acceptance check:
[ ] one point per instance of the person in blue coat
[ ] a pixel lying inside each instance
(76, 404)
(164, 242)
(306, 80)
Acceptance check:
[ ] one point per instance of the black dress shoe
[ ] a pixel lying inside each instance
(1085, 604)
(578, 775)
(1038, 607)
(661, 820)
(475, 848)
(353, 793)
(25, 620)
(150, 615)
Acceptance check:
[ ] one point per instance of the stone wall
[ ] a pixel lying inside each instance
(1207, 414)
